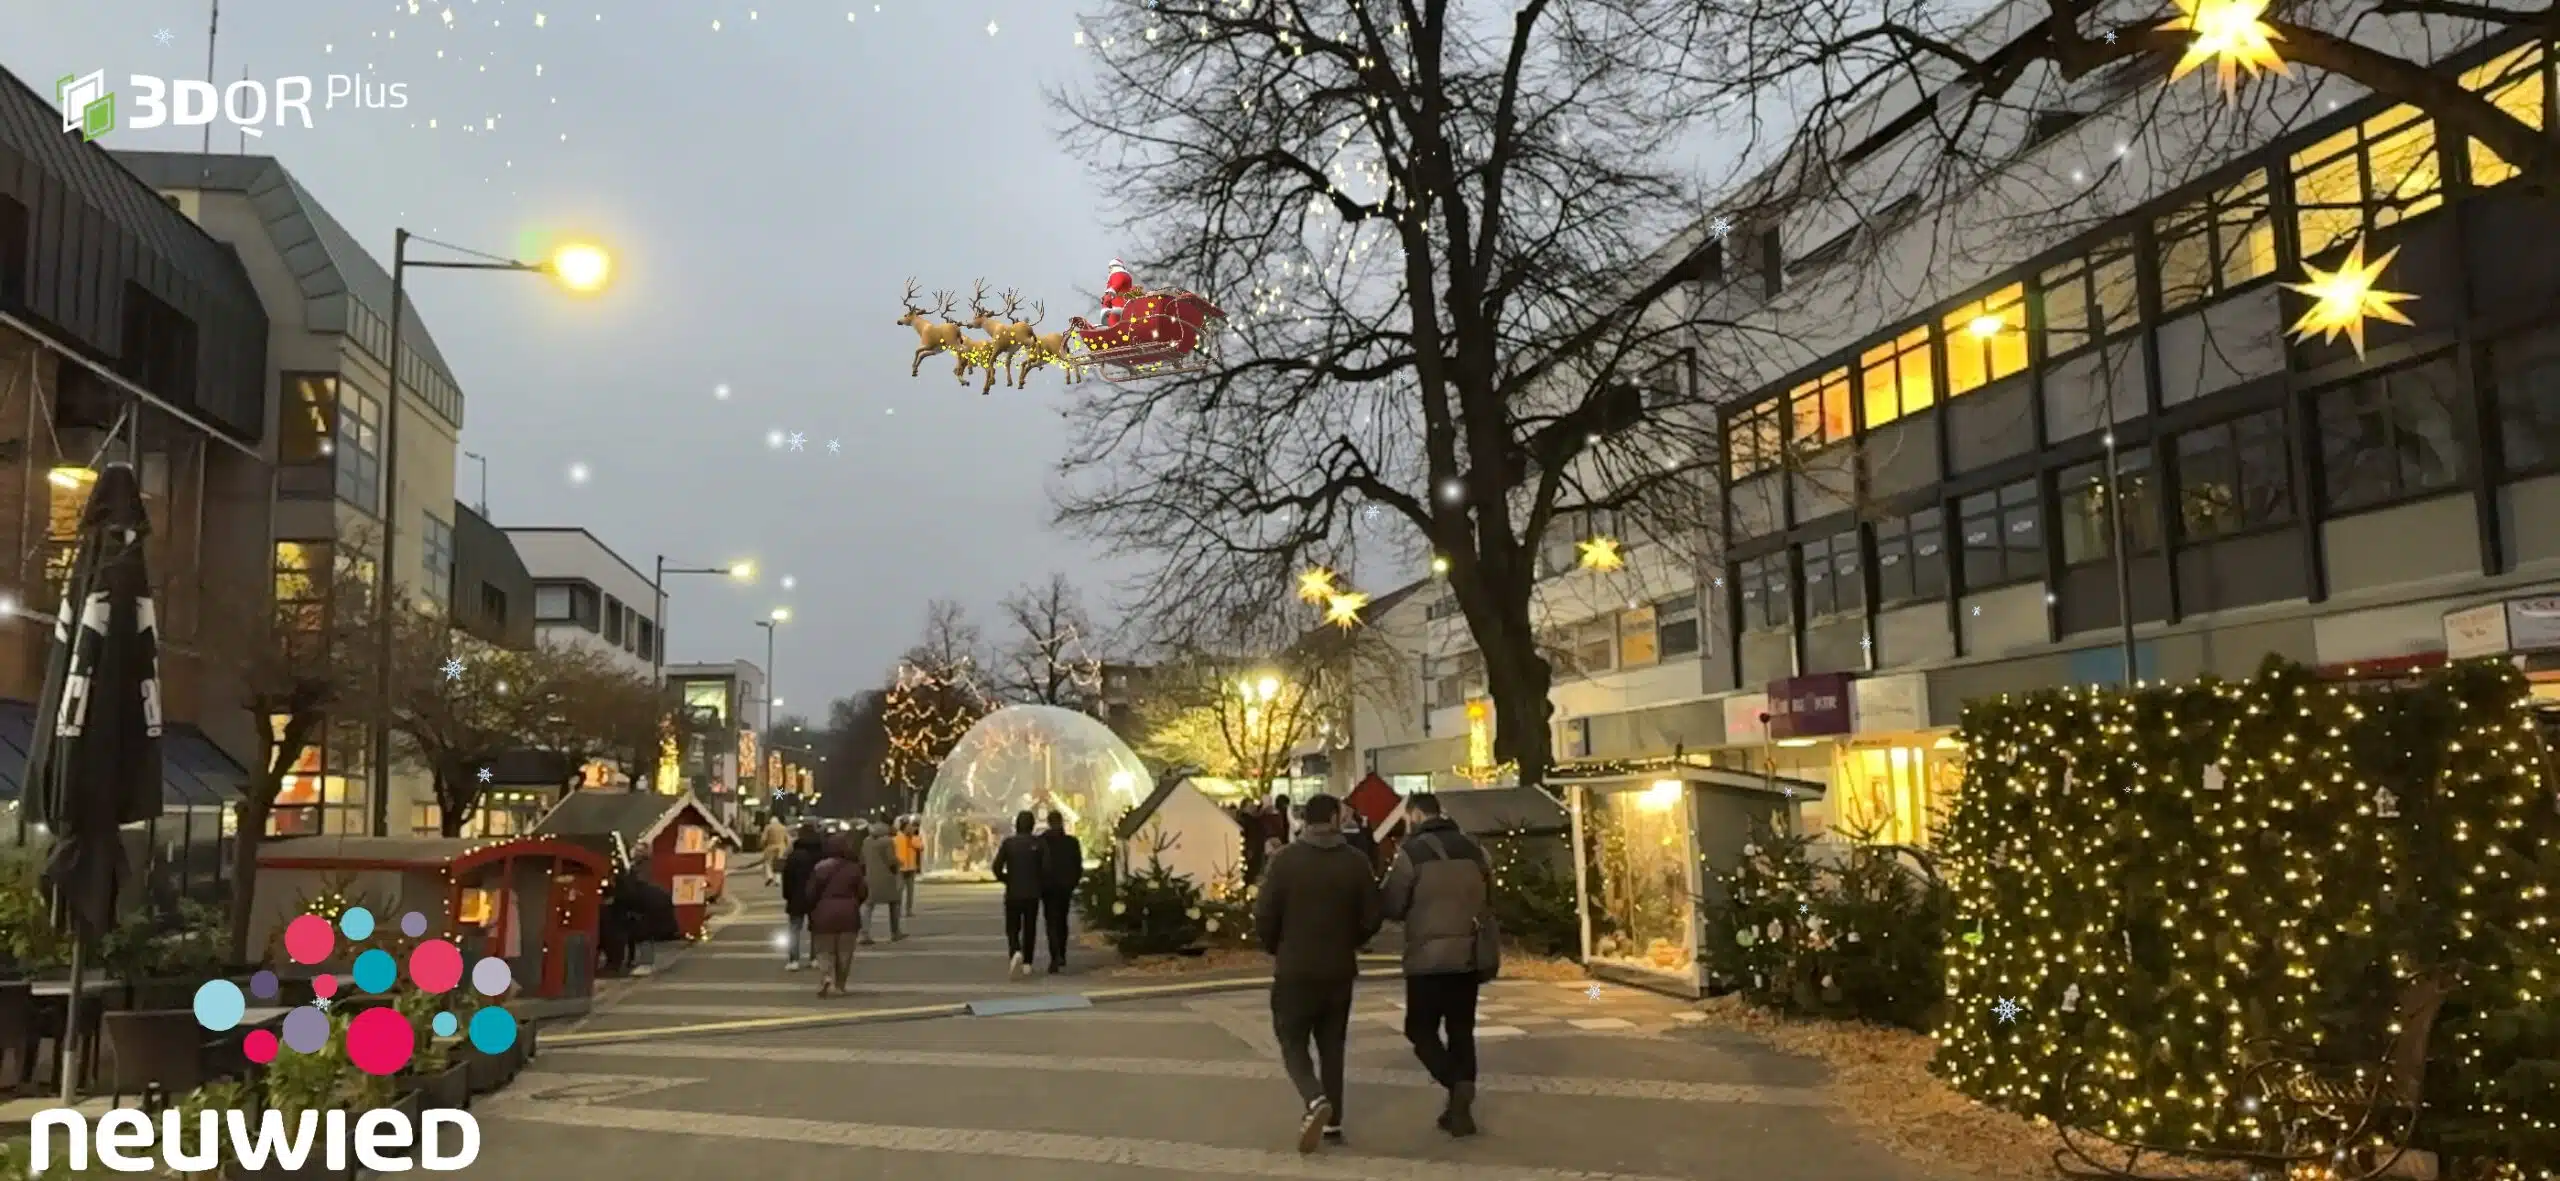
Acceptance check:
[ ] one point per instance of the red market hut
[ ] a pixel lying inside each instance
(674, 841)
(531, 901)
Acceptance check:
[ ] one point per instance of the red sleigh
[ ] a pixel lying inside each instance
(1158, 334)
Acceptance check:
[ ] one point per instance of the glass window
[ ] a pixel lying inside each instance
(1753, 441)
(2232, 477)
(2088, 526)
(1637, 644)
(1819, 410)
(1986, 340)
(306, 427)
(435, 556)
(551, 604)
(648, 640)
(1911, 558)
(1894, 378)
(1639, 907)
(2090, 298)
(2528, 401)
(612, 620)
(2216, 244)
(359, 450)
(2386, 436)
(2515, 82)
(1676, 624)
(1832, 583)
(2003, 536)
(1767, 602)
(1595, 644)
(2374, 174)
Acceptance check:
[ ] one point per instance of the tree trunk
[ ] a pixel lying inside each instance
(451, 809)
(244, 870)
(1518, 681)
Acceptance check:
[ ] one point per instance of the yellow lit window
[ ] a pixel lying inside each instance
(301, 567)
(2216, 244)
(2514, 83)
(1820, 410)
(2372, 175)
(1894, 378)
(476, 908)
(1986, 340)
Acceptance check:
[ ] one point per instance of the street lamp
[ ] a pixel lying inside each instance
(740, 571)
(781, 615)
(578, 266)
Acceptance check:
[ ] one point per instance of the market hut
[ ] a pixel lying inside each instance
(1178, 825)
(530, 901)
(1647, 834)
(673, 839)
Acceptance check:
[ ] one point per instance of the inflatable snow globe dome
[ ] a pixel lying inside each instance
(1027, 758)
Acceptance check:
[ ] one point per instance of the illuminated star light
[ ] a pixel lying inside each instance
(1316, 585)
(2342, 299)
(2229, 33)
(1343, 609)
(2008, 1010)
(796, 440)
(486, 775)
(1600, 553)
(453, 669)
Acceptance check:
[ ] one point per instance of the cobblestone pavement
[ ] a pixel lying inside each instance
(1577, 1085)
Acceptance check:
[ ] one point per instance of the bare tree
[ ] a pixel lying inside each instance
(951, 640)
(1048, 662)
(1441, 234)
(933, 698)
(578, 706)
(1246, 712)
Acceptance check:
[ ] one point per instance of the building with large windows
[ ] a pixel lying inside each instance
(586, 594)
(1990, 437)
(328, 304)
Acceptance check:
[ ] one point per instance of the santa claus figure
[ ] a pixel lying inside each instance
(1117, 291)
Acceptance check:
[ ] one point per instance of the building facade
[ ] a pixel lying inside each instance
(720, 711)
(1962, 489)
(328, 307)
(129, 334)
(587, 595)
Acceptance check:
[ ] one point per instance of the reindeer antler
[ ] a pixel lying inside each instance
(909, 299)
(942, 301)
(1012, 300)
(978, 299)
(1039, 312)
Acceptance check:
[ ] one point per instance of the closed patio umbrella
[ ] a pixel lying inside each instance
(95, 766)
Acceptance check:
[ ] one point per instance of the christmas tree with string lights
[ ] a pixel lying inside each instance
(925, 713)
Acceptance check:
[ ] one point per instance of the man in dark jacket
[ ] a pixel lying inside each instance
(1061, 868)
(1441, 887)
(806, 852)
(1018, 865)
(1318, 904)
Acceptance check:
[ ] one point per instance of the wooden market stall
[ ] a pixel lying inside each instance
(530, 901)
(673, 840)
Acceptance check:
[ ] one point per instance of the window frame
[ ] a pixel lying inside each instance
(1993, 363)
(2211, 219)
(1764, 580)
(1755, 439)
(1919, 538)
(2358, 143)
(1821, 412)
(568, 600)
(1669, 616)
(435, 556)
(2401, 489)
(1886, 369)
(2135, 480)
(359, 449)
(2080, 275)
(2262, 431)
(2494, 79)
(2511, 358)
(2007, 504)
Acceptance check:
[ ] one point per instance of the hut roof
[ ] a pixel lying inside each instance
(635, 816)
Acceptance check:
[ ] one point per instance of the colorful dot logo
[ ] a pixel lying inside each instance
(379, 1040)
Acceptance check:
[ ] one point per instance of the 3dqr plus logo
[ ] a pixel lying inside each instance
(89, 108)
(379, 1041)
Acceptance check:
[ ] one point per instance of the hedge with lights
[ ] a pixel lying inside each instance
(2158, 880)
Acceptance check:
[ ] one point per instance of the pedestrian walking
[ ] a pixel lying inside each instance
(1355, 833)
(910, 859)
(880, 865)
(1441, 888)
(806, 853)
(839, 896)
(1018, 866)
(776, 843)
(1317, 906)
(1061, 869)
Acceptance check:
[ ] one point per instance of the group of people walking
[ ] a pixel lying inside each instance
(1040, 872)
(833, 888)
(1321, 901)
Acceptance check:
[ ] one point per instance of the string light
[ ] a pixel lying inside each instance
(925, 713)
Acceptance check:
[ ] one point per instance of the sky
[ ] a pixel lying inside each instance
(767, 174)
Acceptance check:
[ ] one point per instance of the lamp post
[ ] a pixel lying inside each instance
(741, 571)
(579, 267)
(780, 616)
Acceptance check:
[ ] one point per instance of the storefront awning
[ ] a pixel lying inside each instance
(194, 773)
(1645, 772)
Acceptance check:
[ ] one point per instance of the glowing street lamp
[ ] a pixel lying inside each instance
(580, 266)
(782, 615)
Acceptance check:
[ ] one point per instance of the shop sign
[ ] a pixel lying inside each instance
(1743, 721)
(1813, 706)
(2495, 629)
(1891, 705)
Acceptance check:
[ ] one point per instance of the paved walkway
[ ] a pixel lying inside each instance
(1578, 1085)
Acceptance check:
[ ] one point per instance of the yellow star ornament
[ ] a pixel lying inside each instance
(1600, 553)
(1343, 609)
(2342, 299)
(1316, 585)
(2233, 34)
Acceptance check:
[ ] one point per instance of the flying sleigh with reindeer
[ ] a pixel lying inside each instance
(1143, 333)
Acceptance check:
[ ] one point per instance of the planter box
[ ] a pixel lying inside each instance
(445, 1090)
(488, 1072)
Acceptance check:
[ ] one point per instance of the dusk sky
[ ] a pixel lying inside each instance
(766, 186)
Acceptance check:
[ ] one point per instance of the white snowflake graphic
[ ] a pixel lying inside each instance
(1719, 227)
(453, 669)
(796, 440)
(2007, 1010)
(486, 775)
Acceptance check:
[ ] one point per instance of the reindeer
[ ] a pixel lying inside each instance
(1004, 337)
(1049, 349)
(931, 337)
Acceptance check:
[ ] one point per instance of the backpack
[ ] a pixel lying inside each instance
(1488, 931)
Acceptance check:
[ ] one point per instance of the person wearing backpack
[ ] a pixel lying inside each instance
(1441, 888)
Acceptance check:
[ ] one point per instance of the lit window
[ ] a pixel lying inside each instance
(2515, 82)
(1754, 440)
(1986, 340)
(2090, 298)
(1819, 410)
(2377, 173)
(1893, 377)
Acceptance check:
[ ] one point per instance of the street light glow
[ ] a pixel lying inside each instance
(1985, 326)
(782, 615)
(743, 571)
(581, 266)
(1270, 687)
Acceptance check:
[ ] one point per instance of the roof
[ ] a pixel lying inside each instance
(1166, 784)
(332, 268)
(447, 853)
(635, 816)
(193, 771)
(581, 530)
(1504, 811)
